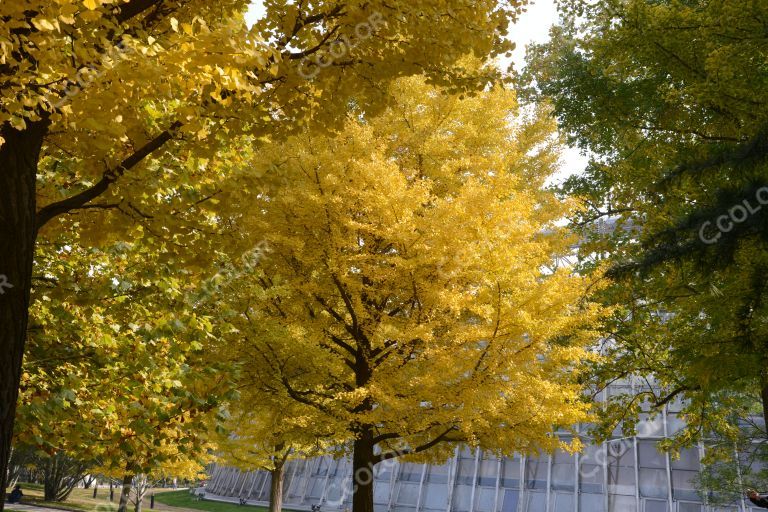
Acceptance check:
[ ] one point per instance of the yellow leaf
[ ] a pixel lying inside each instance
(90, 15)
(18, 122)
(43, 24)
(91, 4)
(68, 9)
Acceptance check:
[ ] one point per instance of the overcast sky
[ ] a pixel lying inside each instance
(533, 26)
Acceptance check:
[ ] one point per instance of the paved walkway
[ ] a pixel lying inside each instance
(26, 507)
(236, 501)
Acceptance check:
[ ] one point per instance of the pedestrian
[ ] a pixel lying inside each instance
(757, 499)
(15, 495)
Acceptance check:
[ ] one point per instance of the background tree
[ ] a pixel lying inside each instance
(109, 84)
(412, 296)
(19, 464)
(670, 99)
(115, 376)
(134, 489)
(60, 475)
(264, 434)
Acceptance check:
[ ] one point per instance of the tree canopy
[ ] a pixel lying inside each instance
(112, 110)
(414, 292)
(669, 98)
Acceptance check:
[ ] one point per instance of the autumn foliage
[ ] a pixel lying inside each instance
(416, 292)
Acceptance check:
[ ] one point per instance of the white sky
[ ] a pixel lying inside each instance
(533, 26)
(255, 11)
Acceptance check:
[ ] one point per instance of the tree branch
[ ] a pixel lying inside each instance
(672, 394)
(53, 210)
(385, 437)
(134, 8)
(426, 446)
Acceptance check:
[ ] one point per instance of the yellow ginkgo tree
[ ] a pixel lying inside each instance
(264, 432)
(415, 291)
(92, 92)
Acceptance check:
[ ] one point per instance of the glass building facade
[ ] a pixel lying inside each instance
(621, 475)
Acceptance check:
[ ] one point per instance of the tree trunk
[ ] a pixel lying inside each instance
(51, 478)
(60, 476)
(125, 493)
(276, 489)
(15, 468)
(764, 396)
(141, 484)
(362, 471)
(18, 171)
(88, 481)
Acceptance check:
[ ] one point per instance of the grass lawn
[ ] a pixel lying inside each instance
(82, 500)
(79, 500)
(184, 499)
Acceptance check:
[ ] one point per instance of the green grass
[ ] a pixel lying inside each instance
(185, 500)
(81, 500)
(29, 486)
